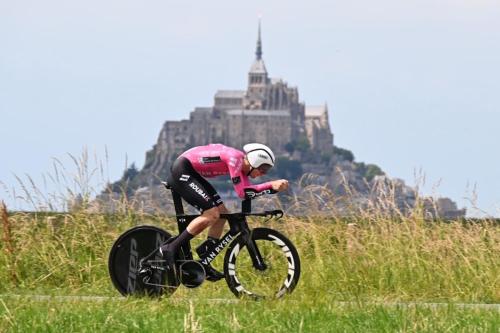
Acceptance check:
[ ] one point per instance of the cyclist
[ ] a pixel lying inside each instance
(187, 178)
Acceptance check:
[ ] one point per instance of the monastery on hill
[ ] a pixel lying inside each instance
(268, 112)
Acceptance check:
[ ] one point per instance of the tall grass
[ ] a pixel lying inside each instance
(363, 260)
(377, 252)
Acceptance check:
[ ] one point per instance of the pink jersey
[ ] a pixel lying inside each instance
(216, 159)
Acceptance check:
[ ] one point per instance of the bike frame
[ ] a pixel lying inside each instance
(237, 225)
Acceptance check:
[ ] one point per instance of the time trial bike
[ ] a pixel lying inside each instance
(258, 263)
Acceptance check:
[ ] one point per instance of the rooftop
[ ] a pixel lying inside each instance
(230, 94)
(272, 113)
(315, 110)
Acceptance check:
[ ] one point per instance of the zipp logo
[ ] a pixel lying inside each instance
(132, 266)
(184, 178)
(158, 257)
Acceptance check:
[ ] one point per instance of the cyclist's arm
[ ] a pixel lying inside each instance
(240, 181)
(244, 188)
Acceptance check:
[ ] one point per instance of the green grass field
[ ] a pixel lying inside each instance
(292, 315)
(369, 263)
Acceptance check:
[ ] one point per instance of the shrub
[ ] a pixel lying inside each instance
(344, 154)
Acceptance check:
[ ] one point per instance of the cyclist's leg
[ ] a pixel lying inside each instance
(207, 218)
(198, 192)
(215, 230)
(193, 188)
(214, 234)
(196, 226)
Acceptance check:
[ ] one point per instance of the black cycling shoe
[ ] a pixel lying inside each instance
(212, 274)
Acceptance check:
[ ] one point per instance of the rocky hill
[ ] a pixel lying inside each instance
(269, 111)
(351, 187)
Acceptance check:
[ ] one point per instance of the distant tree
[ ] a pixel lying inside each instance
(126, 183)
(287, 168)
(373, 170)
(368, 171)
(344, 154)
(289, 147)
(300, 144)
(360, 167)
(130, 173)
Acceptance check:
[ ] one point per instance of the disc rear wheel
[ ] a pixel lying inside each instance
(123, 263)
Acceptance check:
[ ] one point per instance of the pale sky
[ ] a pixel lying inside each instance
(411, 85)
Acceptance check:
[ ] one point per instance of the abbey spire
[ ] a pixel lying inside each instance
(258, 73)
(258, 52)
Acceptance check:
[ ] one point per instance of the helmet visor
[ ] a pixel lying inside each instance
(264, 168)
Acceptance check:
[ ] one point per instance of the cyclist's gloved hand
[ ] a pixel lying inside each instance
(280, 185)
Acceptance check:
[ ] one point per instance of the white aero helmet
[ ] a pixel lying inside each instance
(258, 154)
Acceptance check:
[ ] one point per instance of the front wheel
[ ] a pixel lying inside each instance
(281, 261)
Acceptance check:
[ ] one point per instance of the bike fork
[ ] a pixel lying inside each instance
(253, 250)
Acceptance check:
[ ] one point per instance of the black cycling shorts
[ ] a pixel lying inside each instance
(191, 186)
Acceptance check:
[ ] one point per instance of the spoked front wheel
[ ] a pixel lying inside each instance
(278, 275)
